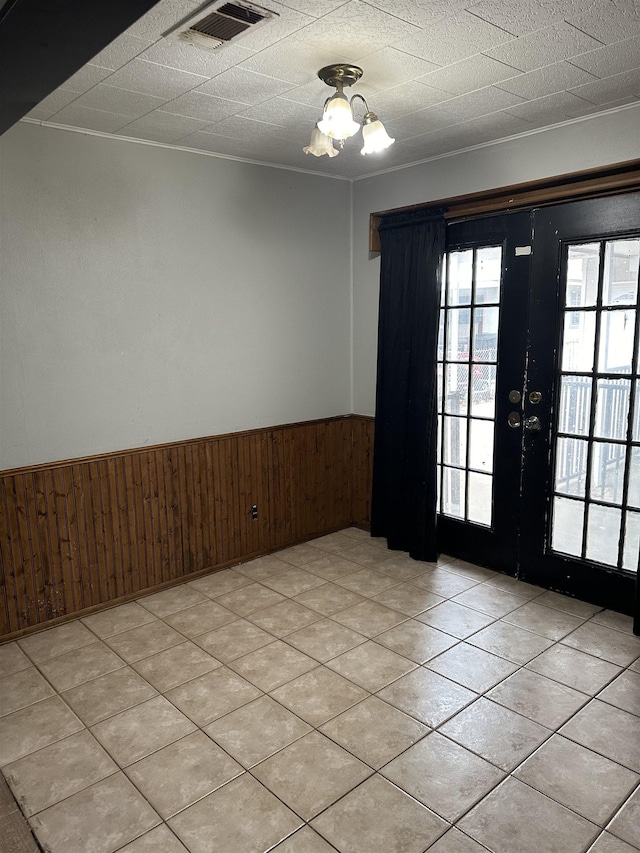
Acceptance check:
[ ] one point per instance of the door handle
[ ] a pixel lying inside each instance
(532, 423)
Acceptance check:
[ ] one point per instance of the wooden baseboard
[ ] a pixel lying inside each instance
(79, 535)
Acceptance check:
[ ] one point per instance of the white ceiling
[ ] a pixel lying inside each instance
(443, 75)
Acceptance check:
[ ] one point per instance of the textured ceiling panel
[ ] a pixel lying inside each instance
(443, 75)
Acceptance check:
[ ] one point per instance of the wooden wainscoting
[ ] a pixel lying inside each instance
(80, 534)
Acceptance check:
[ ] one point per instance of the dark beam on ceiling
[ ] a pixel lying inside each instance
(44, 42)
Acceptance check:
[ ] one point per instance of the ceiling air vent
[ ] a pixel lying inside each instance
(219, 23)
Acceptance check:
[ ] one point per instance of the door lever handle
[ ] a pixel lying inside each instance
(532, 423)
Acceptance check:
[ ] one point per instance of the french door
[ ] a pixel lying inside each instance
(539, 389)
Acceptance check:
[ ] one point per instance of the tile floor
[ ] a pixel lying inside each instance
(332, 696)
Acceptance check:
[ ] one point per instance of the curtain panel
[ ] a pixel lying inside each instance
(404, 488)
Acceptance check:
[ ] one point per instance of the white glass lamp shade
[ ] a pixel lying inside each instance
(337, 119)
(375, 137)
(320, 144)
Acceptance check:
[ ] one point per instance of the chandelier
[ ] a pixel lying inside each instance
(338, 120)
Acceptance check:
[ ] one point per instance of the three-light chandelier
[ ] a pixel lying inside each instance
(338, 119)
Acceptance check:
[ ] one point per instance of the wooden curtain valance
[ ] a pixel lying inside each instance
(592, 183)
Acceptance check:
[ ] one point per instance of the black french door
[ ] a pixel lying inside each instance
(539, 381)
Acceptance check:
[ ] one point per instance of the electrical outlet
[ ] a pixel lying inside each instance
(254, 513)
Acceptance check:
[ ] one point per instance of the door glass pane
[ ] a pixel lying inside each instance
(616, 341)
(481, 445)
(458, 320)
(454, 441)
(439, 381)
(578, 342)
(456, 389)
(460, 277)
(632, 541)
(633, 498)
(607, 471)
(612, 408)
(571, 466)
(453, 492)
(441, 336)
(483, 390)
(621, 260)
(480, 497)
(583, 266)
(566, 530)
(485, 334)
(603, 534)
(488, 275)
(575, 405)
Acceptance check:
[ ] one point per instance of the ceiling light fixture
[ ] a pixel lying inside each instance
(338, 121)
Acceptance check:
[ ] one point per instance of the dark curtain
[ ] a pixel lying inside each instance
(404, 464)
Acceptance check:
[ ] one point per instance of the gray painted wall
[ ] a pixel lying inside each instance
(150, 295)
(598, 141)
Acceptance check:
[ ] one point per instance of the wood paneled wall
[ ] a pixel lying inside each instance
(83, 533)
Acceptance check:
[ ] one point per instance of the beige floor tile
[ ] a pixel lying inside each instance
(472, 667)
(56, 772)
(469, 570)
(284, 618)
(509, 642)
(212, 695)
(144, 641)
(334, 543)
(612, 619)
(310, 774)
(374, 731)
(538, 698)
(607, 730)
(604, 643)
(293, 582)
(34, 727)
(108, 695)
(240, 817)
(408, 599)
(80, 665)
(501, 736)
(22, 688)
(369, 618)
(379, 818)
(272, 665)
(366, 554)
(357, 533)
(454, 619)
(172, 600)
(549, 623)
(416, 641)
(331, 567)
(56, 641)
(578, 778)
(325, 639)
(427, 696)
(201, 618)
(234, 640)
(367, 582)
(515, 817)
(455, 841)
(517, 587)
(220, 583)
(490, 600)
(300, 555)
(305, 840)
(250, 598)
(575, 669)
(257, 730)
(444, 583)
(403, 568)
(183, 773)
(12, 659)
(443, 775)
(118, 619)
(371, 666)
(263, 567)
(319, 695)
(626, 824)
(100, 819)
(568, 604)
(175, 666)
(159, 840)
(624, 692)
(329, 599)
(139, 731)
(607, 843)
(635, 666)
